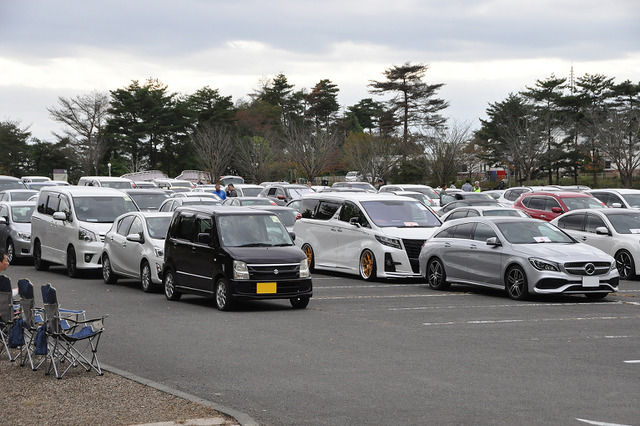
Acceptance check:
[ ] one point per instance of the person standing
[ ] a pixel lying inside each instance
(220, 193)
(231, 191)
(467, 186)
(453, 184)
(4, 264)
(476, 187)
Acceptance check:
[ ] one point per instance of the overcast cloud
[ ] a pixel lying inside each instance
(481, 50)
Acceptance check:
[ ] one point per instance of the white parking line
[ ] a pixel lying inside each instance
(514, 305)
(593, 422)
(529, 320)
(632, 361)
(395, 296)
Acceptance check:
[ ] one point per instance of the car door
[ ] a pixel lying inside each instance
(602, 241)
(132, 250)
(351, 238)
(486, 260)
(116, 243)
(458, 253)
(4, 228)
(206, 262)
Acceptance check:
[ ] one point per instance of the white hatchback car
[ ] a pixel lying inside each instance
(371, 235)
(134, 248)
(614, 231)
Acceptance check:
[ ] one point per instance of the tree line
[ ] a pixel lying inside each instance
(280, 132)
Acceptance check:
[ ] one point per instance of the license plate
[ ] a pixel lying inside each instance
(590, 282)
(266, 288)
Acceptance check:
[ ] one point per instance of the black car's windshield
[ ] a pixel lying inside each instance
(532, 233)
(158, 227)
(400, 213)
(22, 214)
(101, 209)
(625, 223)
(249, 230)
(149, 201)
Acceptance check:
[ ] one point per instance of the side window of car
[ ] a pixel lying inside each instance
(124, 225)
(472, 213)
(572, 222)
(65, 206)
(136, 226)
(592, 223)
(4, 212)
(308, 207)
(464, 231)
(513, 194)
(446, 233)
(482, 232)
(272, 192)
(614, 199)
(551, 203)
(537, 203)
(457, 215)
(525, 201)
(42, 202)
(185, 227)
(52, 205)
(203, 226)
(279, 192)
(350, 210)
(326, 210)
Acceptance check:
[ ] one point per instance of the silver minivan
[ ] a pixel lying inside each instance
(69, 224)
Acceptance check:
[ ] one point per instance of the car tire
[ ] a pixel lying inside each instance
(11, 252)
(108, 275)
(223, 298)
(72, 263)
(169, 284)
(145, 278)
(299, 302)
(367, 265)
(625, 265)
(308, 251)
(436, 276)
(516, 283)
(596, 296)
(40, 265)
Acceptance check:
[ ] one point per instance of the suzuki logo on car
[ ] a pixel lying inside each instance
(276, 272)
(589, 268)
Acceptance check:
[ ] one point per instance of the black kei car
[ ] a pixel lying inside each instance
(232, 254)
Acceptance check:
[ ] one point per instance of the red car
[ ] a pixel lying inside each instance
(549, 205)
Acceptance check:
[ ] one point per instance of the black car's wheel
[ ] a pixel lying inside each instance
(299, 302)
(308, 251)
(368, 265)
(624, 263)
(516, 283)
(169, 282)
(72, 265)
(11, 251)
(224, 300)
(435, 275)
(596, 296)
(40, 265)
(108, 275)
(145, 277)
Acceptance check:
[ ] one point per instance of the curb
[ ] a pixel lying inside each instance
(242, 418)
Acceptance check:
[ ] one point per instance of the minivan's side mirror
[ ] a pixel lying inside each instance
(136, 238)
(600, 230)
(355, 221)
(60, 216)
(204, 238)
(493, 241)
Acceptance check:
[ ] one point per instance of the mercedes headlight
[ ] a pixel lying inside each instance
(544, 265)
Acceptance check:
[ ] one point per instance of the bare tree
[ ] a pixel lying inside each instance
(214, 148)
(524, 142)
(85, 117)
(620, 141)
(371, 154)
(443, 150)
(253, 157)
(312, 152)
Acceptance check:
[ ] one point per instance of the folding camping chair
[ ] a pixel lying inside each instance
(25, 290)
(8, 318)
(69, 340)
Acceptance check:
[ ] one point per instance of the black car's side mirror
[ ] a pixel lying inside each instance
(204, 238)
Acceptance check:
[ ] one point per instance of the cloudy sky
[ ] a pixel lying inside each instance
(481, 49)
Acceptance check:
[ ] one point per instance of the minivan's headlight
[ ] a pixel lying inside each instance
(544, 265)
(240, 270)
(87, 235)
(24, 235)
(391, 242)
(158, 251)
(304, 269)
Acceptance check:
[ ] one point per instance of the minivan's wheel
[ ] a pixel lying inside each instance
(108, 275)
(517, 283)
(299, 302)
(40, 265)
(169, 282)
(625, 265)
(367, 265)
(145, 277)
(435, 275)
(72, 265)
(11, 251)
(224, 300)
(308, 251)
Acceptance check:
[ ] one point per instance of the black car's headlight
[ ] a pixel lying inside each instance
(240, 270)
(391, 242)
(544, 265)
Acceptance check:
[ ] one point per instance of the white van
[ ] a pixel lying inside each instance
(69, 224)
(371, 235)
(106, 181)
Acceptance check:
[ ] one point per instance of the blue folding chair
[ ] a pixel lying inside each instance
(70, 339)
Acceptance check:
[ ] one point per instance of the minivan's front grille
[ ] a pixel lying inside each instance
(413, 248)
(587, 268)
(274, 272)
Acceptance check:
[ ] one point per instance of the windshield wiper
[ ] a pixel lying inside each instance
(256, 245)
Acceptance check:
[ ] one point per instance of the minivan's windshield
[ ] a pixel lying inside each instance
(401, 214)
(149, 201)
(249, 230)
(102, 209)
